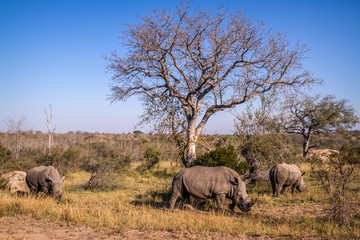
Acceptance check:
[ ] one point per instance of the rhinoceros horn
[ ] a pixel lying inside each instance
(253, 202)
(247, 181)
(62, 179)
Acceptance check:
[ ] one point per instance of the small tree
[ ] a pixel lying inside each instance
(16, 129)
(206, 62)
(311, 115)
(336, 177)
(167, 117)
(152, 157)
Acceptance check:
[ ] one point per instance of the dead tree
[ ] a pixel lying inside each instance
(50, 131)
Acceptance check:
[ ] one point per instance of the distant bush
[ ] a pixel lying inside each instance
(223, 156)
(63, 160)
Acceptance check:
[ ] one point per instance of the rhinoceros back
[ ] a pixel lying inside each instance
(204, 182)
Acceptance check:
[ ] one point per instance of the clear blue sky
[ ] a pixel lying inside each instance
(51, 52)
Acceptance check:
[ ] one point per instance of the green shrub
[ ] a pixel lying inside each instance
(223, 156)
(63, 160)
(5, 159)
(104, 163)
(152, 157)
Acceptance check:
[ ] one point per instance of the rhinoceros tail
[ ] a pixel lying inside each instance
(272, 179)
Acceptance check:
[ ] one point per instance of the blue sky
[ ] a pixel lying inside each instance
(51, 52)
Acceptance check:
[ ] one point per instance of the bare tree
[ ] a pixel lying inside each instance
(50, 130)
(208, 62)
(16, 129)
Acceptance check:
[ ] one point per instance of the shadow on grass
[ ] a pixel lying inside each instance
(160, 200)
(156, 199)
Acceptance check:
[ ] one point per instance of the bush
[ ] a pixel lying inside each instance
(103, 163)
(63, 160)
(152, 157)
(5, 159)
(336, 177)
(223, 156)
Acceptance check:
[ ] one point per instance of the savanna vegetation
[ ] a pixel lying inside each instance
(123, 181)
(186, 65)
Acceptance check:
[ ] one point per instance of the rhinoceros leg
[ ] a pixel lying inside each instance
(232, 206)
(173, 199)
(187, 201)
(220, 198)
(278, 189)
(284, 190)
(293, 188)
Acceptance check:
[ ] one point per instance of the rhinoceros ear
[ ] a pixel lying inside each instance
(62, 179)
(235, 182)
(303, 174)
(49, 179)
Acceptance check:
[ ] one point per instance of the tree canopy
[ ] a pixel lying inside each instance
(208, 62)
(309, 115)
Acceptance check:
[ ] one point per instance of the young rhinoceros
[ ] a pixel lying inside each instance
(284, 175)
(211, 182)
(45, 179)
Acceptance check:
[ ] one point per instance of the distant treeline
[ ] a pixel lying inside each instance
(82, 150)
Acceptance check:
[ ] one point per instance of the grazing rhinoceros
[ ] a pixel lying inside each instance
(211, 182)
(45, 179)
(284, 175)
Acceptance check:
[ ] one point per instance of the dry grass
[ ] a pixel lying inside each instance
(140, 202)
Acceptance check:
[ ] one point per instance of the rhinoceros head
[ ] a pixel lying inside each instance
(301, 187)
(56, 186)
(241, 198)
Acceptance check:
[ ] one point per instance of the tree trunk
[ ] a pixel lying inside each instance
(191, 147)
(306, 147)
(190, 154)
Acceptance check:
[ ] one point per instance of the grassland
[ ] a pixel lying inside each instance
(140, 203)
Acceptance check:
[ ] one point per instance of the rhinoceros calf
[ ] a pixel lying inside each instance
(285, 175)
(45, 179)
(211, 182)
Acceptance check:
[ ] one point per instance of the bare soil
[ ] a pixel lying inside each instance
(34, 229)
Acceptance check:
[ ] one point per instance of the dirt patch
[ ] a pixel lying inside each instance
(33, 229)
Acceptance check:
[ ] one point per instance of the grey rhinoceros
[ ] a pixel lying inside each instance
(45, 179)
(285, 175)
(211, 182)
